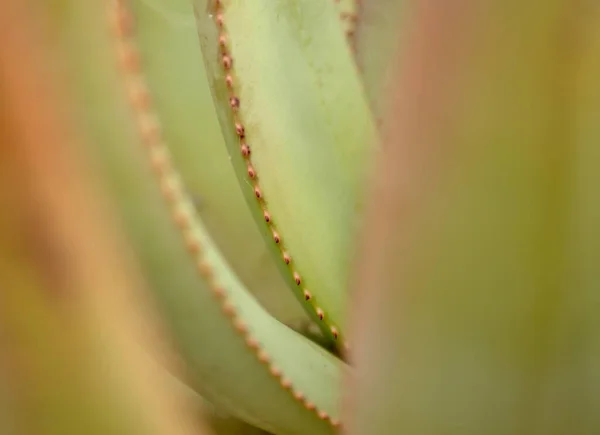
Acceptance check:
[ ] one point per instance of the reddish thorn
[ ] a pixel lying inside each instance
(181, 218)
(287, 258)
(323, 415)
(297, 278)
(320, 313)
(239, 129)
(123, 23)
(167, 190)
(307, 295)
(223, 42)
(310, 406)
(192, 244)
(276, 237)
(240, 326)
(229, 81)
(149, 129)
(251, 172)
(267, 216)
(227, 62)
(245, 150)
(286, 383)
(140, 97)
(299, 395)
(275, 371)
(252, 343)
(130, 58)
(218, 291)
(257, 192)
(228, 308)
(219, 20)
(263, 357)
(234, 102)
(204, 269)
(334, 332)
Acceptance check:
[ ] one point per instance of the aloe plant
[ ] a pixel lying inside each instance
(416, 175)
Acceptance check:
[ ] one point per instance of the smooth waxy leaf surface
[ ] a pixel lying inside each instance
(168, 42)
(307, 136)
(223, 367)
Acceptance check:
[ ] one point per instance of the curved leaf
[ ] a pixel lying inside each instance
(306, 136)
(168, 42)
(239, 357)
(75, 334)
(479, 288)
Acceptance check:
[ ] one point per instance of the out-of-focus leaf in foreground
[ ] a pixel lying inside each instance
(479, 284)
(76, 337)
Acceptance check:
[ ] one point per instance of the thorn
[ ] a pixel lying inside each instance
(252, 343)
(123, 24)
(130, 58)
(149, 129)
(218, 291)
(307, 295)
(191, 243)
(139, 96)
(320, 313)
(181, 219)
(287, 258)
(334, 332)
(205, 270)
(245, 150)
(241, 326)
(167, 190)
(228, 308)
(223, 42)
(239, 129)
(227, 62)
(297, 278)
(263, 357)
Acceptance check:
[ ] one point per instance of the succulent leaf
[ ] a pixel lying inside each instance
(239, 357)
(478, 314)
(166, 35)
(75, 357)
(299, 133)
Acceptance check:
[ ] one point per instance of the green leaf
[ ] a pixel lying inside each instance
(479, 287)
(168, 41)
(309, 132)
(214, 333)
